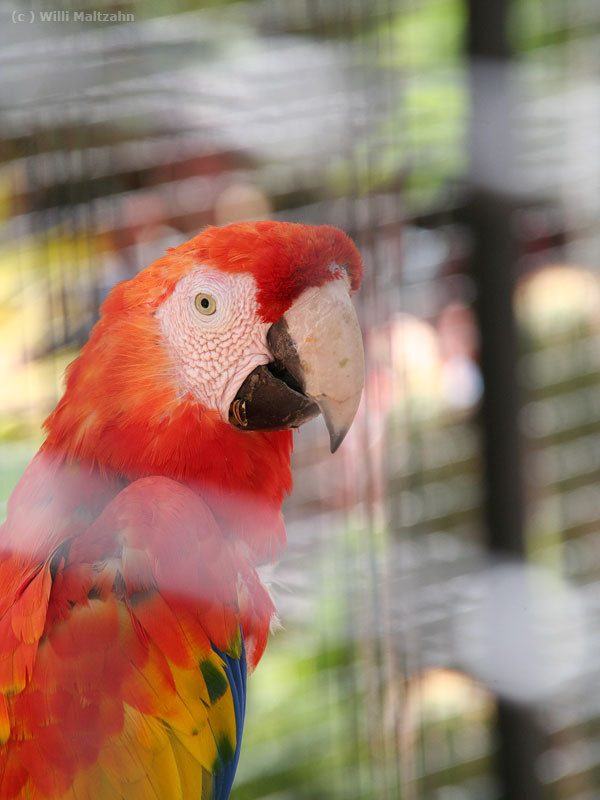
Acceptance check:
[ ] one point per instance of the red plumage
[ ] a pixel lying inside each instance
(132, 539)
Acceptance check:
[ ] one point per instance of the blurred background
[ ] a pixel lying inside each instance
(440, 597)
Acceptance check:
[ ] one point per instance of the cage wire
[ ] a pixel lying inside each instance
(401, 638)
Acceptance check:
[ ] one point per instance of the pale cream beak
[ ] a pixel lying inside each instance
(324, 329)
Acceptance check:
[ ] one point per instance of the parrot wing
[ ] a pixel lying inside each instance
(122, 664)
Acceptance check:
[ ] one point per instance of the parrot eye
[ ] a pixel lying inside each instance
(205, 303)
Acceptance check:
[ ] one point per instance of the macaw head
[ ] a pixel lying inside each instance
(250, 325)
(260, 326)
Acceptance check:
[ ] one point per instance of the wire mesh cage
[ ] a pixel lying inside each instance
(438, 597)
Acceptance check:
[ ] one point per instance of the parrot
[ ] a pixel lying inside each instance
(131, 607)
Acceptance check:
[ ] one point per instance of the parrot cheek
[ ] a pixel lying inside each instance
(212, 353)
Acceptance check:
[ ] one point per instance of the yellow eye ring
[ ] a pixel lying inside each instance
(206, 304)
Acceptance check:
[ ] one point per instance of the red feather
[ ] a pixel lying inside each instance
(131, 543)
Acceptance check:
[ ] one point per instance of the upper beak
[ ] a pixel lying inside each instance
(318, 366)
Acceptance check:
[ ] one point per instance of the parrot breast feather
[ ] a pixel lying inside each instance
(122, 663)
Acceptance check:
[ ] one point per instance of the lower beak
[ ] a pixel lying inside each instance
(318, 366)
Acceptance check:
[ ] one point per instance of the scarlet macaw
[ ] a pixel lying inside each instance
(131, 606)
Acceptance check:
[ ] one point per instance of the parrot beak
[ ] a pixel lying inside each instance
(318, 367)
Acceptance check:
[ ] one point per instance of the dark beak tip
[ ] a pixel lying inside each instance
(335, 439)
(336, 427)
(334, 444)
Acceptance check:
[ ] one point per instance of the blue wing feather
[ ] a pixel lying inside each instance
(236, 672)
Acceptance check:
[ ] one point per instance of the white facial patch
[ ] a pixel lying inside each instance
(214, 334)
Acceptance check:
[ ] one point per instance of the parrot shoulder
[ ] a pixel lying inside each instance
(129, 677)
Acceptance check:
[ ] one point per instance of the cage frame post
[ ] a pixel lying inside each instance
(491, 210)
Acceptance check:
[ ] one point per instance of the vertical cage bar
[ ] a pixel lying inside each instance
(491, 211)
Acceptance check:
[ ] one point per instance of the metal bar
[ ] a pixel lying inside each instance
(491, 211)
